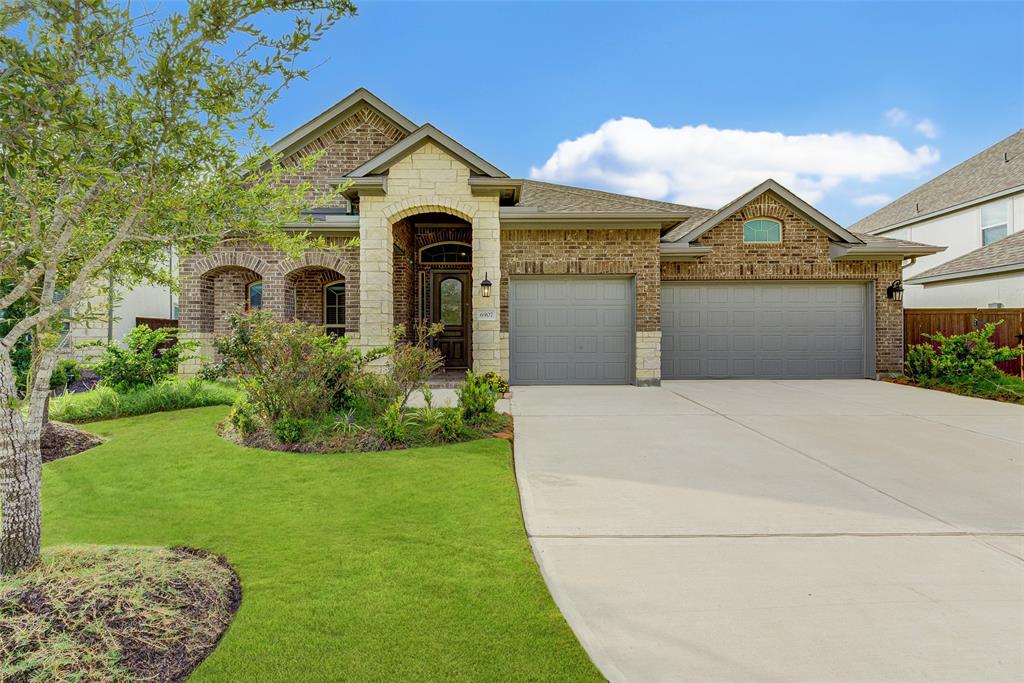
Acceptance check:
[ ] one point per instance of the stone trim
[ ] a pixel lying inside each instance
(417, 205)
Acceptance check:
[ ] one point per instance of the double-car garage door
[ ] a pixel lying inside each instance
(766, 330)
(579, 330)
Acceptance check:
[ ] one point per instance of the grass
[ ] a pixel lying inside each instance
(97, 613)
(103, 403)
(1000, 387)
(405, 565)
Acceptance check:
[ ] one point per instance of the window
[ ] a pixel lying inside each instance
(763, 230)
(449, 252)
(451, 301)
(994, 223)
(334, 308)
(254, 296)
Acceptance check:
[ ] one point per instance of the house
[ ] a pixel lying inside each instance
(104, 318)
(550, 284)
(969, 209)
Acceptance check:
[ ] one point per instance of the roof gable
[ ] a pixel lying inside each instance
(815, 217)
(990, 172)
(337, 113)
(422, 135)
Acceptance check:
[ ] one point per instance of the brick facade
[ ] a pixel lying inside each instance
(802, 255)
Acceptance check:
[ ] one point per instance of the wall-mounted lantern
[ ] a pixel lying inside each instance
(485, 287)
(895, 291)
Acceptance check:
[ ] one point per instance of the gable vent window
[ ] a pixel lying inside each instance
(762, 231)
(994, 223)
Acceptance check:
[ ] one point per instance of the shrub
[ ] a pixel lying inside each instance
(290, 369)
(476, 397)
(413, 362)
(290, 429)
(64, 373)
(449, 425)
(243, 417)
(142, 361)
(499, 383)
(395, 423)
(971, 354)
(103, 403)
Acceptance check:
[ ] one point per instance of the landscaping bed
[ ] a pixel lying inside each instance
(95, 613)
(1005, 388)
(60, 440)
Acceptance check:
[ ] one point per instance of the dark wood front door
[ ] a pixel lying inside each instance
(451, 304)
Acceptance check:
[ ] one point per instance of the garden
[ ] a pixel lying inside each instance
(965, 364)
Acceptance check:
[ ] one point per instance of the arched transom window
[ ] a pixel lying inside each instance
(762, 230)
(334, 308)
(254, 295)
(447, 252)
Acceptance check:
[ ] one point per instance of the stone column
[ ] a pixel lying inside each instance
(376, 301)
(487, 353)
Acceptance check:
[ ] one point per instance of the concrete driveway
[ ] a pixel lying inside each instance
(791, 530)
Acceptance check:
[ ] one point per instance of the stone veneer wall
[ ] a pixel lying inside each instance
(428, 180)
(802, 255)
(551, 250)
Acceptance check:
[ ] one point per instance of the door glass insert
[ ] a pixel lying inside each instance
(451, 301)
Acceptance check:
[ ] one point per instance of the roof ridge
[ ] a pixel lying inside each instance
(573, 189)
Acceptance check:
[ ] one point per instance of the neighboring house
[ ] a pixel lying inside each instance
(549, 284)
(992, 277)
(969, 207)
(111, 318)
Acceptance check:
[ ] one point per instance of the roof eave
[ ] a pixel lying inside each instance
(949, 209)
(519, 214)
(843, 252)
(674, 252)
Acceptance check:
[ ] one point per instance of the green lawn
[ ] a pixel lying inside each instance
(407, 565)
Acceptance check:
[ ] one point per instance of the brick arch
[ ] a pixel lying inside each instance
(765, 206)
(315, 259)
(222, 260)
(415, 205)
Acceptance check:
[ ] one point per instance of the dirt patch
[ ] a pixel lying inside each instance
(60, 440)
(115, 613)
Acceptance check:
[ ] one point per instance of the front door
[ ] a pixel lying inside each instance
(450, 295)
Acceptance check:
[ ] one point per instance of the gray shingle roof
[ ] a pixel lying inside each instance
(984, 174)
(568, 199)
(872, 241)
(1003, 254)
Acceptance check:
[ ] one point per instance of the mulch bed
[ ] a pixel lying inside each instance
(60, 440)
(64, 620)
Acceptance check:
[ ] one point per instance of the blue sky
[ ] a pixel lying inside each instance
(848, 103)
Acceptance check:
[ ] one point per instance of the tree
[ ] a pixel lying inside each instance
(122, 135)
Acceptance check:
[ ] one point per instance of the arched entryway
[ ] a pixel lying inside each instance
(318, 296)
(223, 291)
(433, 265)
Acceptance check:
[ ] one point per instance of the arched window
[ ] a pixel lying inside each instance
(763, 230)
(334, 308)
(447, 252)
(254, 295)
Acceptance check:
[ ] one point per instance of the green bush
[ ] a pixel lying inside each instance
(140, 362)
(64, 373)
(958, 356)
(243, 417)
(396, 423)
(290, 429)
(103, 403)
(477, 397)
(449, 425)
(499, 383)
(291, 369)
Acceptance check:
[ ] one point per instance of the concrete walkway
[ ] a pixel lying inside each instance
(792, 530)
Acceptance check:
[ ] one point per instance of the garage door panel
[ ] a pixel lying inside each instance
(585, 335)
(765, 329)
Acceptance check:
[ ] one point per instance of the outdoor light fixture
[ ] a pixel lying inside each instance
(485, 287)
(895, 291)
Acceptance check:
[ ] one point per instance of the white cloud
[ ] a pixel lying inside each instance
(896, 116)
(872, 200)
(927, 128)
(710, 166)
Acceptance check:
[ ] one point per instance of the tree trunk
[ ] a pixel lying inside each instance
(19, 489)
(21, 464)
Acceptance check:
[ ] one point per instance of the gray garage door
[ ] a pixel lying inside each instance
(571, 331)
(764, 330)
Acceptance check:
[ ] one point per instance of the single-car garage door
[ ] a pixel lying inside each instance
(768, 330)
(571, 330)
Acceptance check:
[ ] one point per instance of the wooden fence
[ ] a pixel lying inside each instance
(918, 321)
